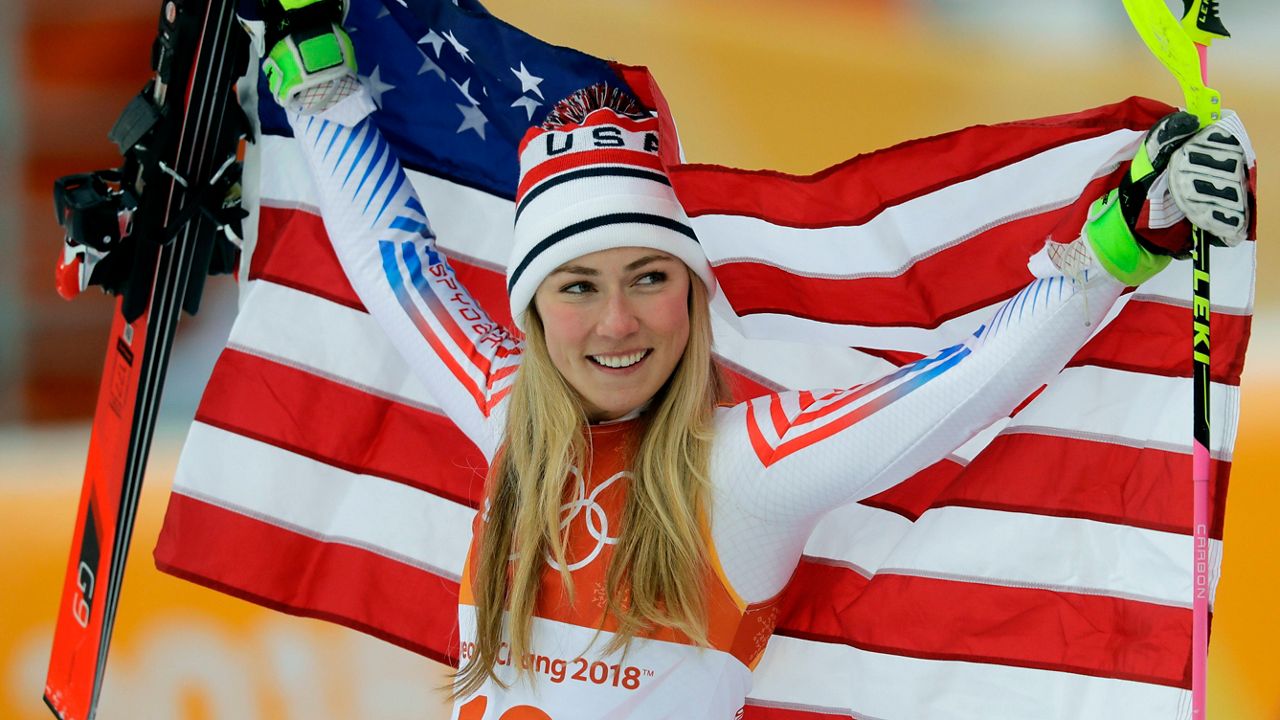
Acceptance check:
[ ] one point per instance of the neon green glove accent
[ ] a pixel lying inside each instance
(1115, 246)
(282, 69)
(1141, 167)
(311, 71)
(322, 52)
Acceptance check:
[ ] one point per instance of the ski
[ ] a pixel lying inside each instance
(150, 233)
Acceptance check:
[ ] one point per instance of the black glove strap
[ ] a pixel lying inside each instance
(281, 23)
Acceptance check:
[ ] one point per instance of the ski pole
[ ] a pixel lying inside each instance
(1183, 49)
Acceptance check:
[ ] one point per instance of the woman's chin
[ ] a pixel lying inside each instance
(608, 394)
(607, 414)
(605, 407)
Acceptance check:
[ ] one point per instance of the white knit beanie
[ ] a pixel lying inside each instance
(593, 185)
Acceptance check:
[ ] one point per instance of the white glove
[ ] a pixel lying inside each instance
(1208, 177)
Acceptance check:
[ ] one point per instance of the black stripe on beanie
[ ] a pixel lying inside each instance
(593, 223)
(600, 171)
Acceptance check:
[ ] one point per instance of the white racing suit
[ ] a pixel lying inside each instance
(780, 462)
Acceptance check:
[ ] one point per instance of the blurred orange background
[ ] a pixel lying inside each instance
(794, 87)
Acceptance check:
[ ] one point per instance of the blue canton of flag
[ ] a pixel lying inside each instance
(457, 88)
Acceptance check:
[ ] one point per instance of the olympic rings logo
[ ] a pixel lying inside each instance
(592, 514)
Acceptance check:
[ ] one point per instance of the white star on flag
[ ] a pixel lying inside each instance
(434, 40)
(528, 81)
(472, 119)
(465, 89)
(528, 103)
(376, 85)
(462, 50)
(429, 65)
(384, 12)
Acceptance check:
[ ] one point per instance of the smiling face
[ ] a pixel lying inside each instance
(616, 324)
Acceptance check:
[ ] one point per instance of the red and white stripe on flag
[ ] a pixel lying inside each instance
(1040, 571)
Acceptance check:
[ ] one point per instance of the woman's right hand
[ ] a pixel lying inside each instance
(310, 63)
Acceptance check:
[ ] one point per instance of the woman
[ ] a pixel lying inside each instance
(636, 533)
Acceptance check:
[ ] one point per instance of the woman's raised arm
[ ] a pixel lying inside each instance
(826, 448)
(793, 456)
(383, 239)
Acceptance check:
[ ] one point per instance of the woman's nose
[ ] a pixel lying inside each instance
(619, 318)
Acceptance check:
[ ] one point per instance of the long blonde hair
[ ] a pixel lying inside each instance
(660, 560)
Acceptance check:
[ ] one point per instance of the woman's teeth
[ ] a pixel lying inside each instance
(619, 361)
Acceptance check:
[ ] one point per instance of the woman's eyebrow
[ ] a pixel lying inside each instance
(645, 261)
(575, 270)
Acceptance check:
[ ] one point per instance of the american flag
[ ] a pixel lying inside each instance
(1042, 570)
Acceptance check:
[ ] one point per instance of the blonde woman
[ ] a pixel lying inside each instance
(637, 530)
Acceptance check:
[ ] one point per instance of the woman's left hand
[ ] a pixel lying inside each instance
(1208, 178)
